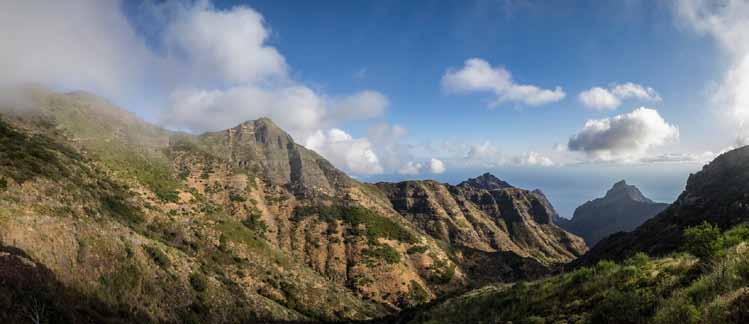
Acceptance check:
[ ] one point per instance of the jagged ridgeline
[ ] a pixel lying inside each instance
(138, 223)
(688, 264)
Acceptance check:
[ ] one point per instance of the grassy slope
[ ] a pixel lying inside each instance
(676, 289)
(131, 253)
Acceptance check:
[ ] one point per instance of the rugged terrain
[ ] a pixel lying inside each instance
(718, 194)
(487, 214)
(242, 224)
(622, 209)
(674, 289)
(689, 264)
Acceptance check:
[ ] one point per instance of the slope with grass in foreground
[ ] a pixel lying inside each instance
(678, 288)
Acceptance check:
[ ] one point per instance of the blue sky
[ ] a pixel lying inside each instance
(386, 91)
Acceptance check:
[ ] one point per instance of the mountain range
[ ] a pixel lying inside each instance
(685, 265)
(106, 218)
(130, 221)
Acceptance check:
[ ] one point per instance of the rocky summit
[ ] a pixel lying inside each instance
(623, 208)
(139, 223)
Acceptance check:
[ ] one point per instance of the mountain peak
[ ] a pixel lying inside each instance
(622, 209)
(486, 181)
(265, 121)
(622, 190)
(260, 122)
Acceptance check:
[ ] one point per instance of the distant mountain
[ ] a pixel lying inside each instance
(487, 214)
(486, 181)
(718, 194)
(623, 208)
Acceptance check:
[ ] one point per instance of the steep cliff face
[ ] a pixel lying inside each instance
(486, 214)
(719, 194)
(623, 208)
(262, 146)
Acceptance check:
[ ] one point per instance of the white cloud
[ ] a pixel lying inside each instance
(388, 143)
(482, 156)
(478, 75)
(627, 136)
(599, 98)
(632, 90)
(353, 154)
(76, 44)
(602, 99)
(680, 158)
(228, 45)
(533, 159)
(297, 109)
(411, 168)
(728, 23)
(436, 166)
(363, 105)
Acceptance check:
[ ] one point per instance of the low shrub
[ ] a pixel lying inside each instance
(416, 249)
(198, 281)
(255, 224)
(376, 225)
(384, 252)
(237, 197)
(417, 293)
(157, 256)
(702, 241)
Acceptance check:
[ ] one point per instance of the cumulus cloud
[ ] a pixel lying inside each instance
(436, 166)
(632, 90)
(76, 44)
(478, 75)
(343, 150)
(728, 24)
(627, 136)
(533, 159)
(388, 142)
(599, 98)
(363, 105)
(484, 155)
(602, 98)
(411, 168)
(228, 44)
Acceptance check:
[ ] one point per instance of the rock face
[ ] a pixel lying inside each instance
(244, 223)
(485, 214)
(719, 194)
(623, 208)
(262, 146)
(486, 181)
